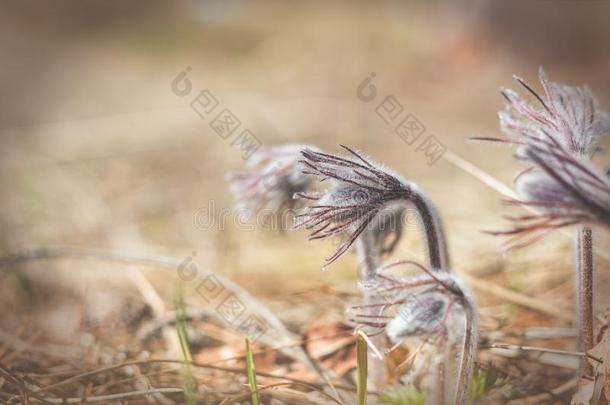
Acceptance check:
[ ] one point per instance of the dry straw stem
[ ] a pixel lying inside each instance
(101, 370)
(29, 394)
(548, 359)
(510, 346)
(154, 300)
(26, 390)
(283, 337)
(584, 265)
(195, 314)
(515, 297)
(467, 355)
(84, 375)
(282, 392)
(534, 333)
(113, 397)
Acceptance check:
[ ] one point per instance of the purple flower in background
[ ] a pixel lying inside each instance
(568, 115)
(272, 179)
(556, 140)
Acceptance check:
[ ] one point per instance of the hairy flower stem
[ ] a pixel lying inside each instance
(584, 274)
(467, 358)
(368, 256)
(368, 260)
(438, 255)
(438, 258)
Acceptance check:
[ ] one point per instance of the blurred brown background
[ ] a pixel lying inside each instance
(97, 151)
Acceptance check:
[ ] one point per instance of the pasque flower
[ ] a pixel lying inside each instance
(359, 192)
(423, 306)
(564, 188)
(556, 140)
(569, 115)
(422, 303)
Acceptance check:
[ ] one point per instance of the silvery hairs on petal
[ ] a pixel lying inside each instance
(358, 191)
(421, 302)
(568, 114)
(272, 179)
(422, 315)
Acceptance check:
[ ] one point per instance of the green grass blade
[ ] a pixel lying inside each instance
(189, 382)
(252, 374)
(361, 349)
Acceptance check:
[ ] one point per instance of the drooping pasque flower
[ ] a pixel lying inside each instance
(429, 305)
(361, 193)
(274, 181)
(421, 303)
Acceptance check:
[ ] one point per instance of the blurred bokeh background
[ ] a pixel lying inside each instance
(97, 151)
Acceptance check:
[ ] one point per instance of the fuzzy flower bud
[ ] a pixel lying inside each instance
(420, 316)
(569, 115)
